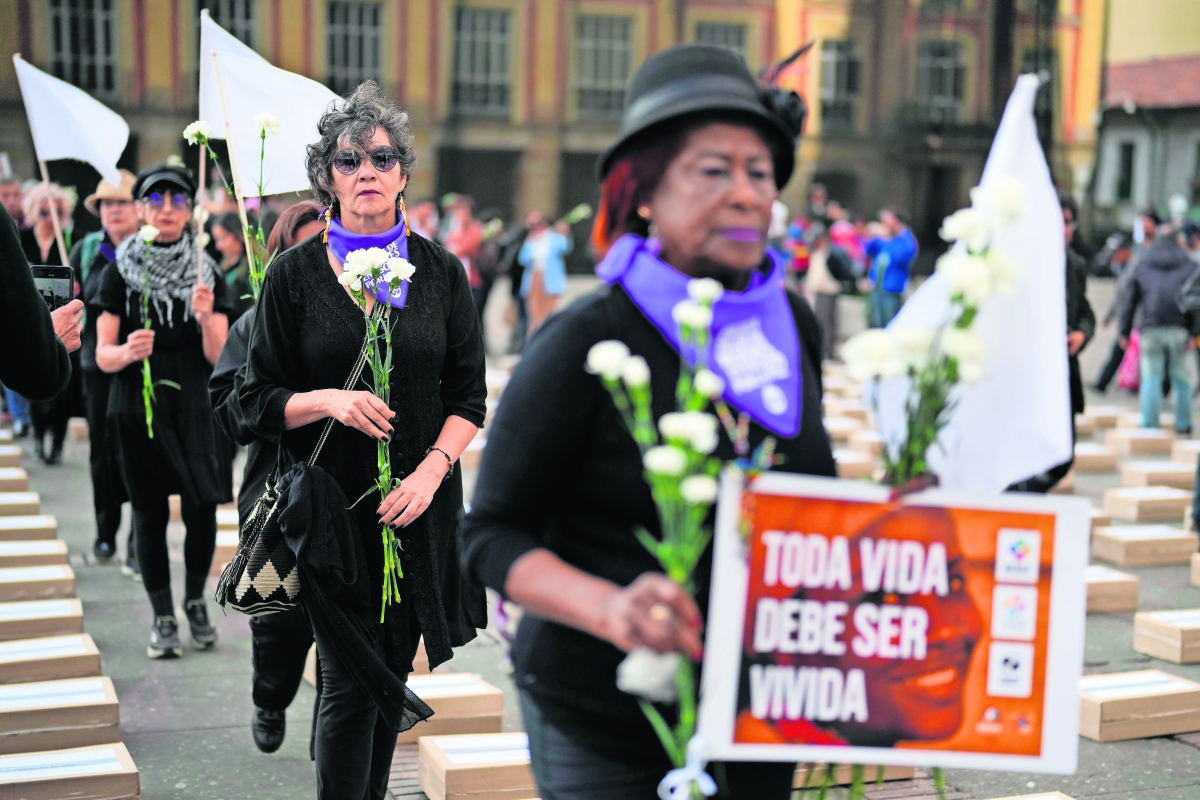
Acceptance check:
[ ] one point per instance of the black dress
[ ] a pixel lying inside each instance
(307, 336)
(562, 472)
(186, 455)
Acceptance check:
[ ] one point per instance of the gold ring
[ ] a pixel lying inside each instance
(660, 613)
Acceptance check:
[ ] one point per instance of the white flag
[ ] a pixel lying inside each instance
(251, 87)
(67, 122)
(1015, 422)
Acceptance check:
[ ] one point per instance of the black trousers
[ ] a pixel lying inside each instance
(352, 744)
(568, 765)
(279, 645)
(108, 492)
(151, 541)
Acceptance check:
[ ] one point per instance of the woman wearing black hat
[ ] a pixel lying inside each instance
(157, 270)
(687, 193)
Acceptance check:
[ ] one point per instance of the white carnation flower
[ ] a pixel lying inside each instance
(705, 290)
(694, 427)
(268, 124)
(649, 675)
(967, 275)
(873, 354)
(665, 460)
(636, 372)
(364, 262)
(607, 359)
(966, 347)
(914, 343)
(699, 489)
(400, 268)
(690, 314)
(1002, 197)
(968, 225)
(709, 383)
(1003, 271)
(199, 132)
(148, 233)
(351, 279)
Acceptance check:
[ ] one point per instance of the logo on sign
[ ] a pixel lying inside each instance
(1014, 612)
(1010, 669)
(1018, 555)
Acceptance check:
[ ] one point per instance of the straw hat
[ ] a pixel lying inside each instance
(106, 191)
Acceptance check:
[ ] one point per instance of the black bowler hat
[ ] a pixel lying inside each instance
(179, 178)
(696, 78)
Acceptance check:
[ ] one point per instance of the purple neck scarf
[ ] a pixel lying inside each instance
(754, 347)
(394, 241)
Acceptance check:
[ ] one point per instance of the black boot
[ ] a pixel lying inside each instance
(268, 728)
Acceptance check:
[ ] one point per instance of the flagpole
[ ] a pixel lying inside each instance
(200, 217)
(58, 234)
(233, 163)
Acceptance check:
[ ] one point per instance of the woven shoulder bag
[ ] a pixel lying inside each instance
(263, 577)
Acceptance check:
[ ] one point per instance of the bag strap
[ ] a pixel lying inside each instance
(350, 381)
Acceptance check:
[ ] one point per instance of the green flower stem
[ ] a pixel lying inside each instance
(147, 381)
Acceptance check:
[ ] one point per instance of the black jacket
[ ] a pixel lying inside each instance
(1080, 318)
(33, 361)
(1156, 287)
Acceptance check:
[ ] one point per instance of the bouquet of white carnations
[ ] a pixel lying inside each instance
(937, 359)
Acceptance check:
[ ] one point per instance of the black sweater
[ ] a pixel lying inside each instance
(561, 472)
(223, 386)
(33, 361)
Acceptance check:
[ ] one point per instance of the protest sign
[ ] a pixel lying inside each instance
(942, 630)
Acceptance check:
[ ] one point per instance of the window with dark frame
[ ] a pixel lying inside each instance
(355, 35)
(941, 80)
(482, 82)
(239, 17)
(83, 45)
(839, 85)
(730, 35)
(603, 60)
(1125, 157)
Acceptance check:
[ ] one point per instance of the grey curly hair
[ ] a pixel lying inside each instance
(353, 125)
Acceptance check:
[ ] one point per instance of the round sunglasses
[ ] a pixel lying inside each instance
(347, 162)
(179, 200)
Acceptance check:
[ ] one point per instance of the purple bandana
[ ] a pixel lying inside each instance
(342, 242)
(754, 348)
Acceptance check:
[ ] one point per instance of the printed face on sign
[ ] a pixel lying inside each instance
(873, 644)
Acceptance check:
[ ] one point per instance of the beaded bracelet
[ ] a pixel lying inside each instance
(449, 460)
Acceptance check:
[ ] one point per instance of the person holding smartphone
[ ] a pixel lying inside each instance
(180, 333)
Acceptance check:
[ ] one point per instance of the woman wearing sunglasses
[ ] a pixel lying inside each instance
(188, 323)
(308, 332)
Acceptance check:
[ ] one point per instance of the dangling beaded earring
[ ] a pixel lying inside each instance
(327, 214)
(404, 216)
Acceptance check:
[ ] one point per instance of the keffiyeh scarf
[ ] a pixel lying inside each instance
(165, 272)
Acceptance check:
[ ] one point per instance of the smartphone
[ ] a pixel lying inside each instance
(55, 284)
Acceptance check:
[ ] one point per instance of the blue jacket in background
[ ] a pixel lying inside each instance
(554, 279)
(893, 257)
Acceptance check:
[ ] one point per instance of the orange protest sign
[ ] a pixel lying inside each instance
(910, 633)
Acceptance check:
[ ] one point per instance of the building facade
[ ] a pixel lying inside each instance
(511, 100)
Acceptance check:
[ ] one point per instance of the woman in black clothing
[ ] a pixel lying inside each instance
(188, 326)
(560, 491)
(307, 336)
(41, 247)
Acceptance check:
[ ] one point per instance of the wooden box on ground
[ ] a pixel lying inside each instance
(1158, 473)
(29, 619)
(1195, 569)
(6, 436)
(227, 519)
(1139, 441)
(843, 775)
(1186, 451)
(841, 428)
(1170, 635)
(19, 504)
(1144, 503)
(36, 583)
(474, 452)
(1091, 457)
(77, 430)
(32, 553)
(10, 455)
(227, 545)
(1066, 485)
(853, 464)
(174, 502)
(103, 772)
(50, 715)
(1103, 416)
(1100, 518)
(48, 658)
(1039, 796)
(28, 528)
(13, 479)
(867, 441)
(461, 703)
(1137, 705)
(1085, 426)
(1133, 419)
(1143, 545)
(1110, 590)
(490, 766)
